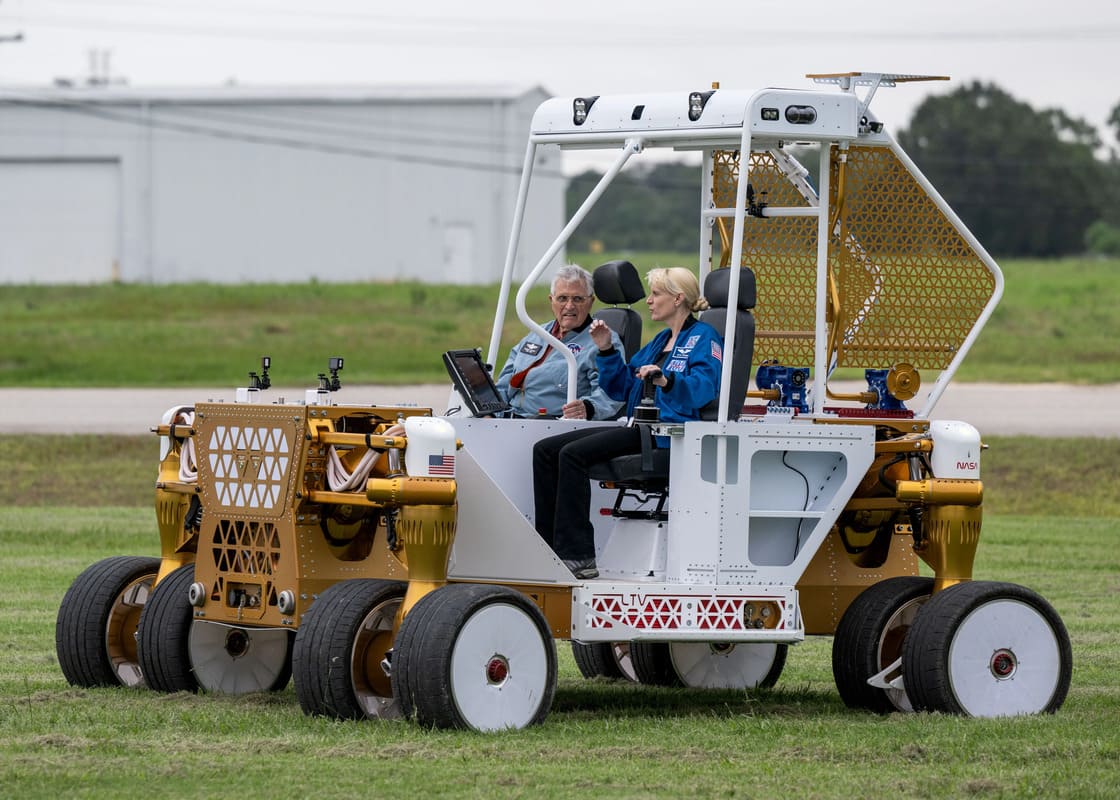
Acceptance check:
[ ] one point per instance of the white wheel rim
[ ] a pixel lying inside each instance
(499, 668)
(233, 660)
(901, 620)
(722, 666)
(1004, 660)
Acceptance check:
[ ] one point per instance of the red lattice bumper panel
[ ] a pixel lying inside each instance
(672, 612)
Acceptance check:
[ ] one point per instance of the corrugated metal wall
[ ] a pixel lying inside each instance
(104, 184)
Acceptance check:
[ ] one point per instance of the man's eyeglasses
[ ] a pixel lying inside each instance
(574, 299)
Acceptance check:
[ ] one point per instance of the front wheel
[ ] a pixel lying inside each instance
(987, 649)
(95, 633)
(475, 656)
(164, 634)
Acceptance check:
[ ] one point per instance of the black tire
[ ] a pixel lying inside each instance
(987, 649)
(95, 632)
(164, 634)
(720, 665)
(336, 660)
(653, 664)
(603, 660)
(475, 656)
(870, 637)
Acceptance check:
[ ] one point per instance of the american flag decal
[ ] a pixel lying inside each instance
(441, 465)
(717, 351)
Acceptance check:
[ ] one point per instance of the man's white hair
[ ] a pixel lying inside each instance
(572, 273)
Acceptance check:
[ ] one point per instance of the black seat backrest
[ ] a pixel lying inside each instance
(716, 290)
(617, 283)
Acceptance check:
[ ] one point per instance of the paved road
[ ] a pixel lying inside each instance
(995, 409)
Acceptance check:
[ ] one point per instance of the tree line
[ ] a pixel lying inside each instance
(1028, 183)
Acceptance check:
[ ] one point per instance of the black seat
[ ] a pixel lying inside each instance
(616, 284)
(651, 479)
(716, 290)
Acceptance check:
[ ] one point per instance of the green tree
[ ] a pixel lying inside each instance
(1026, 182)
(645, 209)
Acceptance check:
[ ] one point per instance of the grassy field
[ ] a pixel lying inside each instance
(66, 501)
(1057, 322)
(85, 498)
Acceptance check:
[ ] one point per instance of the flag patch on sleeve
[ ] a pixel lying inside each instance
(717, 351)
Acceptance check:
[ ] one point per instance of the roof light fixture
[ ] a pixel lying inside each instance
(696, 103)
(581, 106)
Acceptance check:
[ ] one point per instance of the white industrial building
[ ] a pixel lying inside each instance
(238, 184)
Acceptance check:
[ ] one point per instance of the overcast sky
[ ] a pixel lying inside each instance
(1048, 54)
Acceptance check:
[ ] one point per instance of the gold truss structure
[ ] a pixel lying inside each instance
(905, 284)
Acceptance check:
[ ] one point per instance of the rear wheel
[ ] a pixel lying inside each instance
(727, 665)
(653, 664)
(869, 639)
(95, 632)
(987, 649)
(475, 656)
(604, 659)
(339, 649)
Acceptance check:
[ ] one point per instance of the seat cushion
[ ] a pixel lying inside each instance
(628, 469)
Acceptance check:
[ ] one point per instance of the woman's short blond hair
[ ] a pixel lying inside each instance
(678, 280)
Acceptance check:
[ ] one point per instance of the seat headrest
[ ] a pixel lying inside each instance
(618, 282)
(718, 283)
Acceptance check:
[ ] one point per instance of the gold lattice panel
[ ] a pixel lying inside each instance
(782, 251)
(910, 286)
(246, 549)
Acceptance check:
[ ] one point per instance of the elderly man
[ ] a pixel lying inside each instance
(535, 376)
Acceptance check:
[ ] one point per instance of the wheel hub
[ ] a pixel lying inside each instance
(237, 643)
(497, 670)
(1003, 664)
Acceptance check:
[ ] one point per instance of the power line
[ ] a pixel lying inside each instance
(216, 132)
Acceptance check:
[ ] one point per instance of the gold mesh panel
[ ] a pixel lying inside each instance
(910, 286)
(246, 549)
(782, 251)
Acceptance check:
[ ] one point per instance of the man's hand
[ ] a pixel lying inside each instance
(574, 410)
(600, 334)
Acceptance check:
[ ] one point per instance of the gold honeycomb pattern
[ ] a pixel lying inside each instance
(910, 287)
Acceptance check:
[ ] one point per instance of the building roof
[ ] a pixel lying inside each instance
(238, 93)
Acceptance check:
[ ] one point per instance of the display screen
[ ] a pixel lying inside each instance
(473, 382)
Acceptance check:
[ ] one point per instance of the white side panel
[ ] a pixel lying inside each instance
(59, 221)
(782, 488)
(495, 538)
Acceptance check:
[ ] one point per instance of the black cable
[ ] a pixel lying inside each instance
(797, 541)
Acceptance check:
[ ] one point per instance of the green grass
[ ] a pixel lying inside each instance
(1057, 322)
(602, 739)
